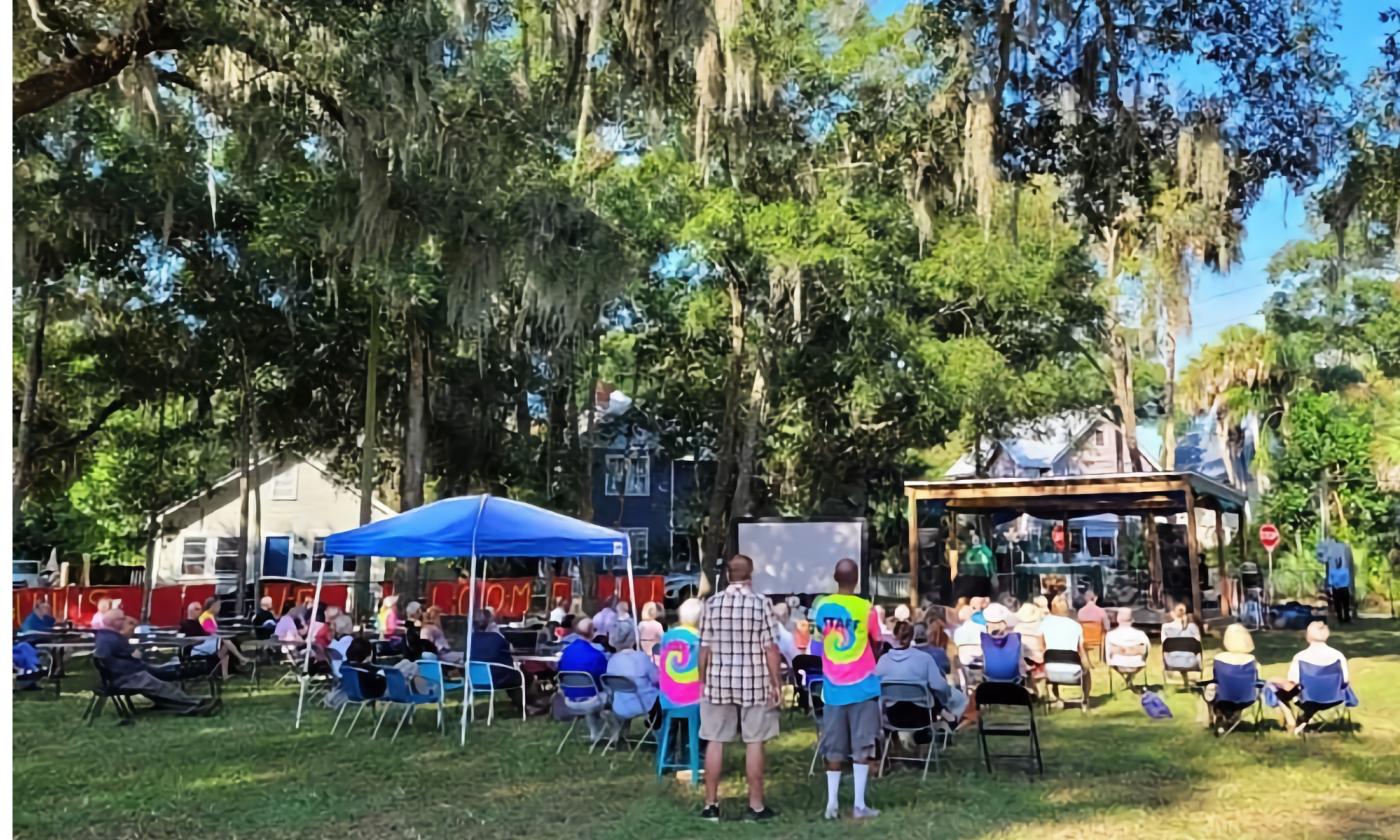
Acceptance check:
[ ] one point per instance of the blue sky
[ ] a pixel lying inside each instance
(1279, 216)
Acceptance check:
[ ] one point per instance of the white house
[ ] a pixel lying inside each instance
(1076, 443)
(302, 504)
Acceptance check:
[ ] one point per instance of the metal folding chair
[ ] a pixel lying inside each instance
(817, 712)
(578, 681)
(918, 696)
(1002, 694)
(1182, 645)
(1054, 676)
(617, 685)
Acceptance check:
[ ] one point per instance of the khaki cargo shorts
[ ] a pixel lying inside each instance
(726, 722)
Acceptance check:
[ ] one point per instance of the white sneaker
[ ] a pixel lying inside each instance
(832, 814)
(866, 813)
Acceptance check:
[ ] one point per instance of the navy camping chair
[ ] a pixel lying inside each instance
(1237, 690)
(1001, 658)
(397, 692)
(1324, 696)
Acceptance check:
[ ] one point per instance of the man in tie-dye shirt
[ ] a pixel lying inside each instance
(850, 633)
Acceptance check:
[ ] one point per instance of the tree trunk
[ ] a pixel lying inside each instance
(1123, 397)
(755, 415)
(1169, 405)
(717, 525)
(368, 455)
(33, 370)
(415, 441)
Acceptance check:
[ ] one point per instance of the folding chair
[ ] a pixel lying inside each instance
(106, 690)
(483, 679)
(816, 712)
(1057, 673)
(397, 692)
(1324, 696)
(576, 681)
(618, 685)
(1182, 645)
(355, 695)
(1002, 694)
(1237, 690)
(1001, 658)
(806, 670)
(1128, 674)
(918, 700)
(1093, 638)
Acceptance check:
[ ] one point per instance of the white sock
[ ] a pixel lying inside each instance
(833, 789)
(862, 775)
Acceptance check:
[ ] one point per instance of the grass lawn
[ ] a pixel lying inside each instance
(1114, 773)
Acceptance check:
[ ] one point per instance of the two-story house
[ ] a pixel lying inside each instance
(638, 487)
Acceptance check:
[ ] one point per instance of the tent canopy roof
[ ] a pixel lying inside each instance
(486, 526)
(1053, 496)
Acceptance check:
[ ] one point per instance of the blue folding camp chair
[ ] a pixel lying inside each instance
(1001, 658)
(431, 670)
(355, 695)
(1322, 691)
(397, 692)
(1237, 690)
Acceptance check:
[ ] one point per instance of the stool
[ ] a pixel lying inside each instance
(690, 716)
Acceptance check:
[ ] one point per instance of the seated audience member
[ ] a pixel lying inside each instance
(322, 634)
(967, 638)
(882, 619)
(905, 663)
(433, 639)
(113, 650)
(787, 645)
(1000, 643)
(289, 630)
(490, 646)
(1127, 647)
(624, 631)
(931, 639)
(650, 630)
(639, 667)
(1062, 633)
(802, 635)
(412, 621)
(200, 621)
(99, 618)
(606, 617)
(343, 628)
(263, 620)
(1238, 650)
(1091, 612)
(40, 620)
(358, 655)
(1032, 639)
(1181, 626)
(560, 611)
(587, 657)
(388, 617)
(979, 605)
(1317, 653)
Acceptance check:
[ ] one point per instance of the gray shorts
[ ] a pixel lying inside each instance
(851, 731)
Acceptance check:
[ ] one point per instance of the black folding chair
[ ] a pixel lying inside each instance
(1182, 645)
(992, 695)
(817, 712)
(911, 707)
(806, 670)
(1054, 676)
(105, 690)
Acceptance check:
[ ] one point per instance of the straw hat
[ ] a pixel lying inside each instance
(1029, 613)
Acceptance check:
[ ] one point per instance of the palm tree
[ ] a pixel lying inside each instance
(1238, 378)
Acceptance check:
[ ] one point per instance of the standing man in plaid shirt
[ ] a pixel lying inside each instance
(739, 666)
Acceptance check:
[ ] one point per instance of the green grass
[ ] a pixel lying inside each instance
(1114, 773)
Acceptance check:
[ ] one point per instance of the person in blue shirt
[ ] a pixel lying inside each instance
(639, 668)
(41, 620)
(1338, 559)
(489, 645)
(587, 657)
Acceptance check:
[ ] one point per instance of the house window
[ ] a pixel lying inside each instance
(226, 555)
(639, 539)
(1098, 437)
(1100, 546)
(192, 556)
(334, 563)
(629, 473)
(284, 485)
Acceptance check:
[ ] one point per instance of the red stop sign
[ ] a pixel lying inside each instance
(1057, 536)
(1269, 536)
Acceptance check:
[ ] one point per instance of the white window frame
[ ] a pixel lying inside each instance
(630, 474)
(212, 557)
(1098, 436)
(638, 537)
(280, 493)
(204, 563)
(337, 564)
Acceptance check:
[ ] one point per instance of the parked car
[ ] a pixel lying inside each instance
(27, 573)
(681, 586)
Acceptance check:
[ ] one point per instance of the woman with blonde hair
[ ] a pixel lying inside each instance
(650, 629)
(430, 634)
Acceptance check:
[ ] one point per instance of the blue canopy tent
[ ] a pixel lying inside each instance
(481, 526)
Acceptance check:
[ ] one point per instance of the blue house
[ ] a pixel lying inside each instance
(639, 488)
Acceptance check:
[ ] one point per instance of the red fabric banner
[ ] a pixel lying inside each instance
(508, 598)
(649, 588)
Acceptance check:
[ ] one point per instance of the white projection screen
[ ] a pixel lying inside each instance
(799, 557)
